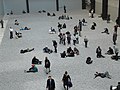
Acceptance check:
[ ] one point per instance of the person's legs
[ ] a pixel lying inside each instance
(85, 44)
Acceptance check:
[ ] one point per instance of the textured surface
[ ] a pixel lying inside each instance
(13, 64)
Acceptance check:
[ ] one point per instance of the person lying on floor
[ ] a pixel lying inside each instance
(25, 28)
(26, 50)
(106, 31)
(102, 75)
(110, 51)
(52, 31)
(18, 34)
(32, 69)
(47, 50)
(36, 61)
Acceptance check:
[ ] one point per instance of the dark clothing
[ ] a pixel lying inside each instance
(47, 50)
(55, 46)
(36, 61)
(65, 80)
(99, 54)
(2, 24)
(26, 50)
(47, 63)
(50, 84)
(63, 55)
(11, 34)
(114, 38)
(89, 61)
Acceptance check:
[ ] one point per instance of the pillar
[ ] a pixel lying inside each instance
(57, 5)
(27, 6)
(83, 4)
(104, 9)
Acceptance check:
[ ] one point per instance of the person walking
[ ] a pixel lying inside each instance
(64, 9)
(86, 41)
(50, 83)
(11, 32)
(66, 78)
(116, 50)
(55, 46)
(114, 38)
(2, 22)
(74, 39)
(47, 65)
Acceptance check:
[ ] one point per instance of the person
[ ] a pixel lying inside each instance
(116, 28)
(48, 14)
(23, 12)
(89, 61)
(47, 50)
(2, 22)
(110, 51)
(16, 22)
(76, 51)
(55, 46)
(108, 18)
(77, 38)
(80, 25)
(114, 38)
(68, 37)
(32, 69)
(25, 28)
(115, 87)
(86, 41)
(11, 12)
(26, 50)
(92, 13)
(63, 39)
(99, 52)
(106, 31)
(102, 75)
(59, 27)
(71, 54)
(11, 32)
(50, 83)
(63, 55)
(83, 22)
(64, 25)
(64, 9)
(116, 50)
(66, 78)
(18, 35)
(74, 39)
(47, 65)
(36, 61)
(52, 31)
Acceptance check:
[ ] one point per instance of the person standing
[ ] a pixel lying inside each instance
(80, 25)
(11, 32)
(55, 46)
(50, 83)
(65, 80)
(2, 23)
(47, 65)
(74, 39)
(64, 9)
(86, 41)
(114, 38)
(116, 50)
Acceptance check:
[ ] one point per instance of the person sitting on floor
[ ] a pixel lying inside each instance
(106, 31)
(71, 54)
(18, 35)
(64, 25)
(63, 55)
(102, 75)
(89, 61)
(52, 31)
(23, 12)
(76, 51)
(32, 69)
(16, 22)
(110, 51)
(48, 14)
(53, 14)
(25, 28)
(26, 50)
(36, 61)
(83, 22)
(92, 27)
(47, 50)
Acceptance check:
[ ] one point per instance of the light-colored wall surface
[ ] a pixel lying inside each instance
(17, 6)
(1, 9)
(112, 8)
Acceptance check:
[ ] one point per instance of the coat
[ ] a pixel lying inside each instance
(114, 36)
(50, 84)
(47, 63)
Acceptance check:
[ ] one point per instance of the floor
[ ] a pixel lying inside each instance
(13, 64)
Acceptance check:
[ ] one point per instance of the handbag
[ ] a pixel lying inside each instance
(70, 84)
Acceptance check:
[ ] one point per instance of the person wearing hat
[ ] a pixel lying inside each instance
(32, 69)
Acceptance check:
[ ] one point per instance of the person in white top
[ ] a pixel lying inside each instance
(11, 32)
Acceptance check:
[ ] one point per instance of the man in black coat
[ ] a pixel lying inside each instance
(2, 23)
(50, 83)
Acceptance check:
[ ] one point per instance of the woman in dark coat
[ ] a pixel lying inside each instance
(47, 65)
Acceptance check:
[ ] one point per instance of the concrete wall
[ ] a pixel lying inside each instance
(1, 9)
(112, 8)
(17, 6)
